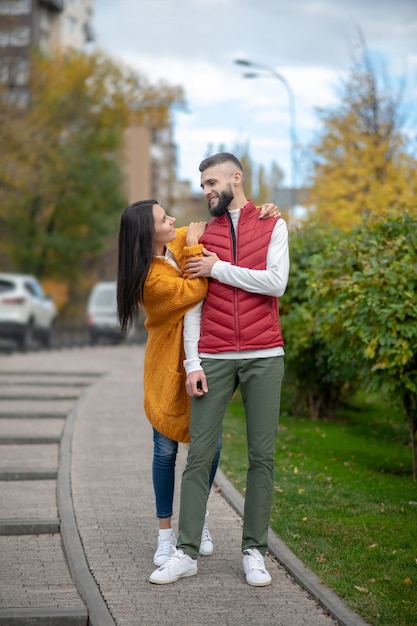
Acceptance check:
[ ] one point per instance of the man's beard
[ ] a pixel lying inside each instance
(225, 198)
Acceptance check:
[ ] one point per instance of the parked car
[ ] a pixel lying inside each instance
(26, 313)
(102, 319)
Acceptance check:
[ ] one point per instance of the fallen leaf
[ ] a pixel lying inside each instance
(408, 581)
(361, 589)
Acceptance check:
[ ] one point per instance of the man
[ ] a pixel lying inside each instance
(240, 343)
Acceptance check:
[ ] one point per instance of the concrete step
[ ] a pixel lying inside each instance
(29, 526)
(30, 431)
(8, 395)
(9, 413)
(39, 456)
(69, 616)
(33, 407)
(37, 583)
(28, 499)
(19, 473)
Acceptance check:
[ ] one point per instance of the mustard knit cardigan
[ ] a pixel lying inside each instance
(167, 297)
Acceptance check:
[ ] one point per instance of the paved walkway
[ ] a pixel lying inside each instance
(106, 510)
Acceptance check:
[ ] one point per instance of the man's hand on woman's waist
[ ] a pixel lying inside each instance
(198, 267)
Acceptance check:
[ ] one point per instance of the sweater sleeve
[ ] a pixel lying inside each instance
(167, 293)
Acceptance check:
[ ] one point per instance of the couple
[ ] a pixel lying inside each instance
(240, 343)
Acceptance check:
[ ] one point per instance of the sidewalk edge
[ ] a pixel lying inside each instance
(327, 599)
(98, 612)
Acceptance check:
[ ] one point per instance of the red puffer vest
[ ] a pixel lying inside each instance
(234, 319)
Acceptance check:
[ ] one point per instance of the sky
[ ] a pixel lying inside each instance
(308, 45)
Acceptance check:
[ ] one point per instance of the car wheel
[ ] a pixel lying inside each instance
(48, 338)
(25, 339)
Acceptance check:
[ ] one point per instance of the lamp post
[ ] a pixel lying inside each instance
(291, 102)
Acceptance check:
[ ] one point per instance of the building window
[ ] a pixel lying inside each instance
(71, 24)
(15, 72)
(4, 71)
(19, 73)
(18, 98)
(15, 7)
(20, 36)
(4, 38)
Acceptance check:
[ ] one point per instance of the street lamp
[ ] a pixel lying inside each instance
(291, 102)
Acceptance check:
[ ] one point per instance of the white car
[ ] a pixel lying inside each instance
(102, 313)
(26, 313)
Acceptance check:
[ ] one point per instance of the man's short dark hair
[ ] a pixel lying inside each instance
(218, 159)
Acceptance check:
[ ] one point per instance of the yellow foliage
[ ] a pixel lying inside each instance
(59, 292)
(362, 167)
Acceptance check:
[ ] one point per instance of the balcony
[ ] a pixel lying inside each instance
(53, 5)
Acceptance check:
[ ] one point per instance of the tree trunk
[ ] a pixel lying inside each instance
(410, 405)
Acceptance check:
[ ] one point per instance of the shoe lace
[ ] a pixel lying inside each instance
(165, 547)
(176, 556)
(255, 561)
(205, 535)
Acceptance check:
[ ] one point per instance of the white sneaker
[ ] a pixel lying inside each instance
(206, 544)
(166, 546)
(179, 565)
(254, 568)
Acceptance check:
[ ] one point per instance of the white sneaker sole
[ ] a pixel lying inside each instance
(259, 583)
(166, 581)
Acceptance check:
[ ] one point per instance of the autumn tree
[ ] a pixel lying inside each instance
(61, 183)
(360, 163)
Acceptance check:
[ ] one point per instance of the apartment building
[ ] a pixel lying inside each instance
(76, 24)
(150, 154)
(48, 24)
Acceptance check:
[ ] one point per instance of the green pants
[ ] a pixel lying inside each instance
(260, 384)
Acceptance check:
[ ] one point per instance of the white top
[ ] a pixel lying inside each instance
(169, 257)
(271, 281)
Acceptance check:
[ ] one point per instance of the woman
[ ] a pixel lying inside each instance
(152, 255)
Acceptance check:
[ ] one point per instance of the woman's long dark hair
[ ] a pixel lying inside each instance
(136, 251)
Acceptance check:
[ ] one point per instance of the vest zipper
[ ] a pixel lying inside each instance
(233, 235)
(234, 252)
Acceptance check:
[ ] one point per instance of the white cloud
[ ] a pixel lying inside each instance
(194, 43)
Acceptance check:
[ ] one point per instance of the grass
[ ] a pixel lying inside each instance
(345, 503)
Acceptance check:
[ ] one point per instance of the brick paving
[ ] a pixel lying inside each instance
(107, 511)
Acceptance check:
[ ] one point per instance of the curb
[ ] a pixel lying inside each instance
(309, 581)
(98, 612)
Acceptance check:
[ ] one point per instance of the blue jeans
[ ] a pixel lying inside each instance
(163, 471)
